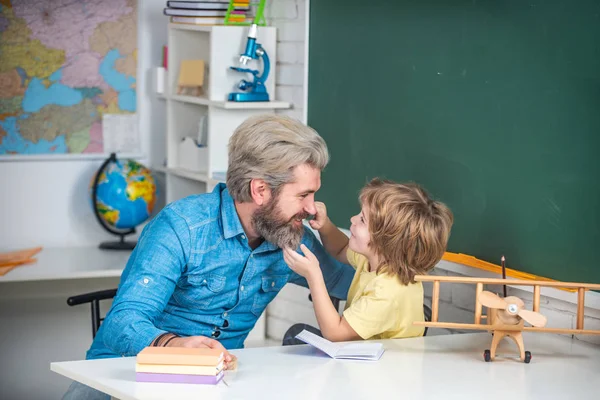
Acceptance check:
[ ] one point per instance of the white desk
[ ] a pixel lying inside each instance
(33, 300)
(70, 263)
(37, 324)
(435, 367)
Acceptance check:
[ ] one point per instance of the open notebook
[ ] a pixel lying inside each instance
(354, 351)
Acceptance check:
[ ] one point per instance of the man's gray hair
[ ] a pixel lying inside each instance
(269, 147)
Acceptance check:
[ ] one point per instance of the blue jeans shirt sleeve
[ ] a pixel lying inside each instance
(337, 276)
(147, 284)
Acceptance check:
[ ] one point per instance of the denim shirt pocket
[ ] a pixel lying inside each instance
(198, 291)
(270, 286)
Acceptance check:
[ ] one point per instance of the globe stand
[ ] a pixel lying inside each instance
(122, 244)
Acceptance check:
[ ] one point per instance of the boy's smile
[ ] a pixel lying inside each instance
(360, 237)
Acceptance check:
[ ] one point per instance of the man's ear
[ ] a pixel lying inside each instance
(260, 191)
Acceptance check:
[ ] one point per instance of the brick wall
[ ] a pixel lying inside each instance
(289, 16)
(457, 304)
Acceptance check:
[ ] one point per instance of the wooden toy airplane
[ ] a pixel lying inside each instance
(506, 317)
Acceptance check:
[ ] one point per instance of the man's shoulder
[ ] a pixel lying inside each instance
(197, 209)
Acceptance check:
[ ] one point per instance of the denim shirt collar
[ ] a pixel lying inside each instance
(231, 221)
(229, 217)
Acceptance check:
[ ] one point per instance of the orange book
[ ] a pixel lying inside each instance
(7, 267)
(179, 356)
(19, 255)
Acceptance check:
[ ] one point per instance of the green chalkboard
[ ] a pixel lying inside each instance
(492, 105)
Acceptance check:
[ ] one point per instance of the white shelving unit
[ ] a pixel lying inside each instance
(220, 48)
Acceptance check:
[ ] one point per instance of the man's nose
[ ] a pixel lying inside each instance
(310, 207)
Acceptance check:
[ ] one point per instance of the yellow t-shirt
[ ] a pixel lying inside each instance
(379, 306)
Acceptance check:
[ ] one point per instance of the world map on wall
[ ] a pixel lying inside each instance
(64, 64)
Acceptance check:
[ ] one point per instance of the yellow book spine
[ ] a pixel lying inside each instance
(179, 369)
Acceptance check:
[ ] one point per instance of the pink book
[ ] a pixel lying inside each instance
(178, 378)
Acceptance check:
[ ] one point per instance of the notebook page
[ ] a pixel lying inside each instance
(320, 343)
(361, 351)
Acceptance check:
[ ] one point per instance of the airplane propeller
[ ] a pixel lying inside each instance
(513, 307)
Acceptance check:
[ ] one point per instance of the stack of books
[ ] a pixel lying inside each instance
(208, 12)
(179, 365)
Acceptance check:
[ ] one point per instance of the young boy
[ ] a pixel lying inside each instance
(399, 233)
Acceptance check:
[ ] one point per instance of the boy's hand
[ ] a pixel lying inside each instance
(305, 266)
(320, 218)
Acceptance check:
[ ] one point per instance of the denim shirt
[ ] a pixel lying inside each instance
(192, 273)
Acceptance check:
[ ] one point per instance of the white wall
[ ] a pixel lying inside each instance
(46, 203)
(290, 19)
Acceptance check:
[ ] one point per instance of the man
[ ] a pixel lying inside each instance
(206, 267)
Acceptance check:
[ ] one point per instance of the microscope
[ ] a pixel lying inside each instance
(255, 90)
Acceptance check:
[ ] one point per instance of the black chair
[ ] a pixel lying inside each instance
(427, 314)
(334, 300)
(94, 299)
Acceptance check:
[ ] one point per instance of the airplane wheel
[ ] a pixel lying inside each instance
(527, 357)
(487, 356)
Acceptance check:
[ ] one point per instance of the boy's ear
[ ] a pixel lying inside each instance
(260, 192)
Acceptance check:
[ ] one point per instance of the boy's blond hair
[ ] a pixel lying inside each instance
(409, 231)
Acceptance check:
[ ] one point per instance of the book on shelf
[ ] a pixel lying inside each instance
(204, 20)
(176, 12)
(205, 5)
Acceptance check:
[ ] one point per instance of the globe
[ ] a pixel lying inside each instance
(123, 197)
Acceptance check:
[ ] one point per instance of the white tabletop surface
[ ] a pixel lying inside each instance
(434, 367)
(70, 263)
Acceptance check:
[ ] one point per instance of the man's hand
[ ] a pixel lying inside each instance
(320, 218)
(203, 341)
(306, 266)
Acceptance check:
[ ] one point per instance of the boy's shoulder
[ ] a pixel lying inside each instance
(357, 260)
(390, 286)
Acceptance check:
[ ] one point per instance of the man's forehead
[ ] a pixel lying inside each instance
(305, 186)
(306, 179)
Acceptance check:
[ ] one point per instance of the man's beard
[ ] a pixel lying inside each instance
(269, 222)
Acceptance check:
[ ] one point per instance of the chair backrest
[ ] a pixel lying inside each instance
(334, 300)
(427, 315)
(94, 299)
